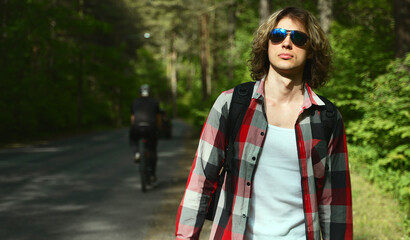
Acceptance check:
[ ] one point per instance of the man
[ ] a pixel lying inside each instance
(289, 182)
(145, 120)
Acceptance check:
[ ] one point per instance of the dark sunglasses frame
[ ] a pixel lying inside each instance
(298, 38)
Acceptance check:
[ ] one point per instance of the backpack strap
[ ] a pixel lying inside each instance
(241, 99)
(328, 117)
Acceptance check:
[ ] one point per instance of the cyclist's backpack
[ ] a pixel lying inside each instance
(241, 99)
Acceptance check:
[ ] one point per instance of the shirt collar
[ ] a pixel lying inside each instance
(258, 89)
(310, 97)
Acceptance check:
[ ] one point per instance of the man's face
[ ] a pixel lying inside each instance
(285, 57)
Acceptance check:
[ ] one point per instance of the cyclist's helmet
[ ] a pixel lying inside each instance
(144, 90)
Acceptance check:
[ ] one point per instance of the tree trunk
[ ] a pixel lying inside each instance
(50, 67)
(4, 18)
(265, 8)
(80, 93)
(326, 14)
(401, 27)
(117, 106)
(205, 56)
(171, 58)
(173, 74)
(231, 39)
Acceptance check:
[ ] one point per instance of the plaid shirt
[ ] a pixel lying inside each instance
(324, 172)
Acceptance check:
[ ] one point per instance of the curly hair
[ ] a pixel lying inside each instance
(316, 68)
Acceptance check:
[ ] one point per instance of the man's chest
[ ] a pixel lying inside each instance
(282, 115)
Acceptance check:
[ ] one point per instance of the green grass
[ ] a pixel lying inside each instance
(376, 216)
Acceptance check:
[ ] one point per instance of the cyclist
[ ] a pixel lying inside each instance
(145, 122)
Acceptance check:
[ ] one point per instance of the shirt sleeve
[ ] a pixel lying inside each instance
(202, 180)
(335, 206)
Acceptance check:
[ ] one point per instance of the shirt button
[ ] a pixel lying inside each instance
(243, 215)
(253, 158)
(248, 183)
(262, 133)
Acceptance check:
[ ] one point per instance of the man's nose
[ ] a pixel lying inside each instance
(287, 43)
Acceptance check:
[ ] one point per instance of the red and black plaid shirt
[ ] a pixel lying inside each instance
(324, 168)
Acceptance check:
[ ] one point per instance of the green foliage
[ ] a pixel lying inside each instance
(362, 42)
(66, 66)
(191, 105)
(372, 98)
(78, 64)
(149, 70)
(75, 65)
(380, 140)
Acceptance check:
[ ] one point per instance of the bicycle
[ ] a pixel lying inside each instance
(144, 156)
(144, 166)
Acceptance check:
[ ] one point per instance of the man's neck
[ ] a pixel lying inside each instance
(282, 89)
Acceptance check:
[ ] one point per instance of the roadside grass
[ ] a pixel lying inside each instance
(376, 215)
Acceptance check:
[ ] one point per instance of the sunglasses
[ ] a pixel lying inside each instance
(298, 38)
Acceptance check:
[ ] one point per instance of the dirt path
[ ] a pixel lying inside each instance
(163, 225)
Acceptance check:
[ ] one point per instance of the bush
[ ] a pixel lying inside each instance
(380, 141)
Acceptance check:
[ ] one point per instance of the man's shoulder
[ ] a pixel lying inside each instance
(326, 101)
(244, 85)
(226, 97)
(145, 99)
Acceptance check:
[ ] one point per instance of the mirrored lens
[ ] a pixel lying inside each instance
(277, 35)
(298, 38)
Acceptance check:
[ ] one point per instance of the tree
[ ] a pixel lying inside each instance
(326, 14)
(66, 64)
(205, 54)
(172, 72)
(231, 38)
(401, 26)
(381, 139)
(265, 8)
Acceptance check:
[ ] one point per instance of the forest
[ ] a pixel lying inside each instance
(73, 66)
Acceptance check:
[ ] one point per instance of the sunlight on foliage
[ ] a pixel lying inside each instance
(380, 140)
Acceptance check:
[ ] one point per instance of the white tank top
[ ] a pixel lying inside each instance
(276, 205)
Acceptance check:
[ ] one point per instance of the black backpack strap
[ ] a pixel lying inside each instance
(241, 99)
(328, 117)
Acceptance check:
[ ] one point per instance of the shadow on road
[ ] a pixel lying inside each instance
(87, 188)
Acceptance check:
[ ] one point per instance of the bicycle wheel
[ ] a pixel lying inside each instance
(143, 166)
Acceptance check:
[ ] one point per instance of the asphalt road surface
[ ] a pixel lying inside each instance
(86, 188)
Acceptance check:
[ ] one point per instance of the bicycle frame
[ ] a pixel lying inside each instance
(144, 166)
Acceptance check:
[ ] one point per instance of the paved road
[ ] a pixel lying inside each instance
(83, 188)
